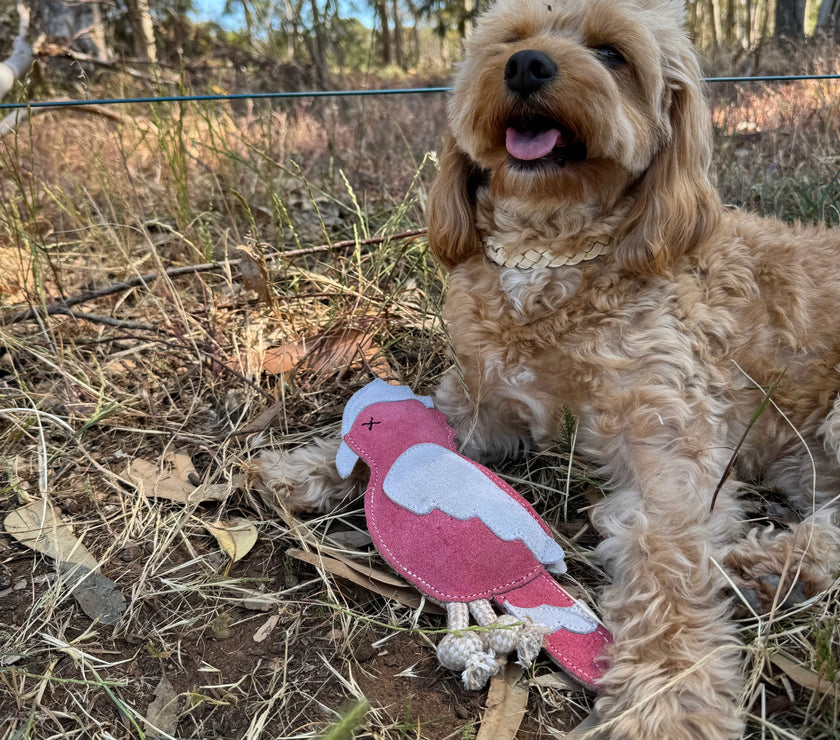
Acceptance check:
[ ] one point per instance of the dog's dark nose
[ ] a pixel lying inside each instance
(527, 71)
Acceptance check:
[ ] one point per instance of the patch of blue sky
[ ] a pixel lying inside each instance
(214, 10)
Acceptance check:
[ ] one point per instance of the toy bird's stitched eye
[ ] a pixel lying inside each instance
(610, 56)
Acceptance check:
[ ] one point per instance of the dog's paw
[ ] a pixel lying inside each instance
(780, 569)
(674, 668)
(765, 591)
(303, 480)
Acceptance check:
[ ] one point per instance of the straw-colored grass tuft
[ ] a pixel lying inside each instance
(186, 286)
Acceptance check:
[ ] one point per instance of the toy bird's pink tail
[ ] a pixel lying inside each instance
(574, 639)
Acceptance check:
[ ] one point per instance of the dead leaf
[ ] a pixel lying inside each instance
(163, 712)
(281, 360)
(553, 680)
(236, 536)
(805, 677)
(266, 628)
(210, 492)
(330, 353)
(506, 703)
(97, 595)
(172, 480)
(37, 527)
(254, 272)
(373, 580)
(272, 416)
(366, 569)
(351, 539)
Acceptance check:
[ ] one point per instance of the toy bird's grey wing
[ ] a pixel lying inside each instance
(427, 477)
(575, 618)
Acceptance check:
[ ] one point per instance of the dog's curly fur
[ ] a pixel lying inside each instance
(663, 347)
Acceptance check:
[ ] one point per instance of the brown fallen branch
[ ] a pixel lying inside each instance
(109, 321)
(216, 363)
(61, 307)
(51, 49)
(12, 121)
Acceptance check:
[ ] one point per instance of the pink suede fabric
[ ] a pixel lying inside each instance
(579, 654)
(450, 559)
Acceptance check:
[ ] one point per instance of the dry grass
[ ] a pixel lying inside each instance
(176, 365)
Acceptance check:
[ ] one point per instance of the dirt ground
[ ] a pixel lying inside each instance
(193, 367)
(218, 670)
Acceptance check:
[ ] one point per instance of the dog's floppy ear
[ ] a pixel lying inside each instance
(676, 203)
(451, 207)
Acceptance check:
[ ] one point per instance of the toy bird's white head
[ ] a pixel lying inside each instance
(377, 391)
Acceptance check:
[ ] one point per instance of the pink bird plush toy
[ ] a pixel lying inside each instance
(464, 537)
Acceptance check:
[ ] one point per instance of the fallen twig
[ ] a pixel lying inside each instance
(11, 122)
(61, 307)
(142, 326)
(94, 318)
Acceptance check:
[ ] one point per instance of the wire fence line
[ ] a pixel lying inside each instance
(335, 93)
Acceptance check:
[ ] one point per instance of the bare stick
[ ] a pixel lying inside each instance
(61, 307)
(142, 326)
(11, 122)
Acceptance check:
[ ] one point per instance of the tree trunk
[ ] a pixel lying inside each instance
(96, 31)
(761, 23)
(415, 36)
(709, 21)
(318, 47)
(469, 21)
(790, 19)
(398, 47)
(828, 18)
(729, 23)
(717, 15)
(290, 29)
(142, 29)
(743, 24)
(385, 31)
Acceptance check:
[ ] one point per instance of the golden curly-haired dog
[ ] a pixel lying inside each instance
(594, 269)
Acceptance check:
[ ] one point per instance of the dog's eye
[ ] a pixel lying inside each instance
(610, 56)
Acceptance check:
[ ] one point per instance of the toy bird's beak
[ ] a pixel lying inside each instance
(345, 460)
(377, 391)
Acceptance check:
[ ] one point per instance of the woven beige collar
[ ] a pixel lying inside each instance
(532, 258)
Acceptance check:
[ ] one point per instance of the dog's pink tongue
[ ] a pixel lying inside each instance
(530, 145)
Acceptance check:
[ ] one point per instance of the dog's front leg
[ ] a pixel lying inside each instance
(488, 426)
(674, 667)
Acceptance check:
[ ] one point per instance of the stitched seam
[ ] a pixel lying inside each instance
(518, 498)
(600, 631)
(375, 486)
(442, 594)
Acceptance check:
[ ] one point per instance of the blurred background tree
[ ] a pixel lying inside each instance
(325, 40)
